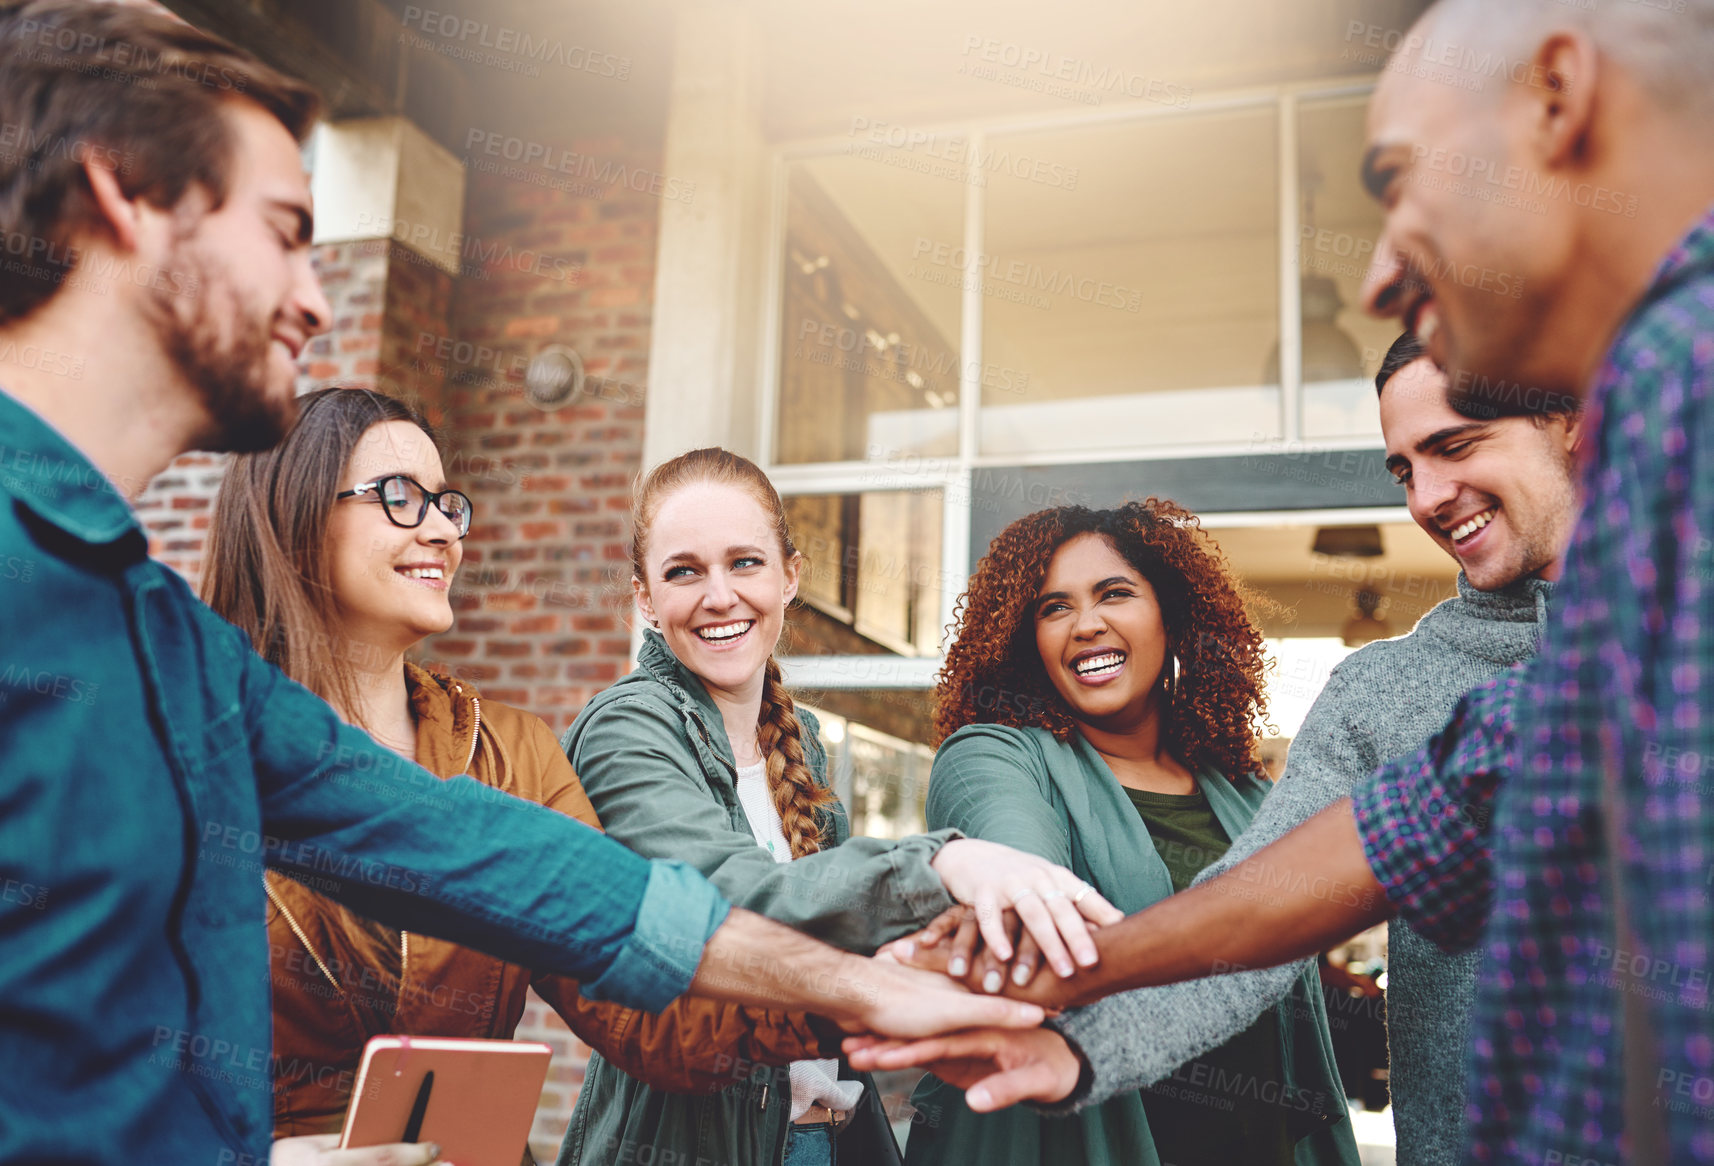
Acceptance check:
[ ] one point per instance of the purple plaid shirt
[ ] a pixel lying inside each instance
(1610, 735)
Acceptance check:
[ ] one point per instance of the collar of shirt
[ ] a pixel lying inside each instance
(54, 480)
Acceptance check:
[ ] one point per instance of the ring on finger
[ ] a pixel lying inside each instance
(1081, 891)
(1026, 891)
(1053, 893)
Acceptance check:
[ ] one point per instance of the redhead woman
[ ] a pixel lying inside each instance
(335, 551)
(1097, 709)
(701, 754)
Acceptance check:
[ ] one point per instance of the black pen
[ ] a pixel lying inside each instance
(414, 1126)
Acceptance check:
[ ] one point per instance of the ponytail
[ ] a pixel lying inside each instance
(797, 796)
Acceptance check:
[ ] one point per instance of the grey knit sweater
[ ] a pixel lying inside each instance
(1385, 700)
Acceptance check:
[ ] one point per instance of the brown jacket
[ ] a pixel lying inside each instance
(339, 979)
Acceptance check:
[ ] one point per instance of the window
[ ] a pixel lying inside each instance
(881, 776)
(869, 358)
(871, 580)
(1338, 224)
(1139, 308)
(1074, 309)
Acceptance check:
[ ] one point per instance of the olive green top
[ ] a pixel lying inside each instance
(1060, 800)
(1211, 1111)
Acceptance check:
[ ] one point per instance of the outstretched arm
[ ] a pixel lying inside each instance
(1136, 1038)
(1293, 899)
(1413, 840)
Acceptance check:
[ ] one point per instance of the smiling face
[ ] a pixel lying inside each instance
(1100, 634)
(236, 299)
(1499, 496)
(718, 583)
(390, 583)
(1469, 258)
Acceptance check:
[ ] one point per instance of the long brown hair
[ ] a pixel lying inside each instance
(267, 568)
(796, 794)
(994, 675)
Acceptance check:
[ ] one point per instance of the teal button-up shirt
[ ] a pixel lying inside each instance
(151, 765)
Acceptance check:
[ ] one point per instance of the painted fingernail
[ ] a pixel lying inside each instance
(1020, 975)
(991, 982)
(958, 967)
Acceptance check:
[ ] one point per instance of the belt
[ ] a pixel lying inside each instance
(821, 1115)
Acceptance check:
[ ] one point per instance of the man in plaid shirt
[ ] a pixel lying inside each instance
(1560, 820)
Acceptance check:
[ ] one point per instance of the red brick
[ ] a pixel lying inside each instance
(532, 326)
(612, 297)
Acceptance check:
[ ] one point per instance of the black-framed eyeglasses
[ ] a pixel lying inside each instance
(406, 501)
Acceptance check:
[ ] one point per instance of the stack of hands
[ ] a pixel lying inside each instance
(1026, 935)
(964, 998)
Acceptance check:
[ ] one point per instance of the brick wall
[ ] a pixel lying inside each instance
(544, 594)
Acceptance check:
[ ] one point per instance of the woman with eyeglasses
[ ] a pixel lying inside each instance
(336, 551)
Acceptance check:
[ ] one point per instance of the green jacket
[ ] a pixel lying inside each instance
(1060, 800)
(653, 756)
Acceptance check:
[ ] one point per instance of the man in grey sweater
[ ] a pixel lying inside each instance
(1500, 497)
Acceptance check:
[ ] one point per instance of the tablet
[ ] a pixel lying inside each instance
(474, 1098)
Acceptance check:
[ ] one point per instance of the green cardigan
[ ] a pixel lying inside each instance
(1026, 789)
(652, 754)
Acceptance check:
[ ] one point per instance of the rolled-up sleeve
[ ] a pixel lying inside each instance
(1424, 819)
(680, 912)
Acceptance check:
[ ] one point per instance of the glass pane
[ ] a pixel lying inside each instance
(1140, 304)
(869, 363)
(1316, 608)
(1337, 227)
(878, 756)
(871, 581)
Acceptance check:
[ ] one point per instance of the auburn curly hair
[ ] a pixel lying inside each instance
(1215, 704)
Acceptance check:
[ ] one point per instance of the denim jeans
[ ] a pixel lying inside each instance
(810, 1145)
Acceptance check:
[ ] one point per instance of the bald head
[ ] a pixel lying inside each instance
(1666, 46)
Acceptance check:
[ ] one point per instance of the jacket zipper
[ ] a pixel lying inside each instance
(299, 932)
(475, 729)
(405, 936)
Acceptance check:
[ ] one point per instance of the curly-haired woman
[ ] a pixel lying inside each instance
(1098, 709)
(701, 755)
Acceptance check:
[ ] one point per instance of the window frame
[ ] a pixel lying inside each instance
(953, 474)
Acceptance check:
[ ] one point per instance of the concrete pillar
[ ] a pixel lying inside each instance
(390, 198)
(704, 363)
